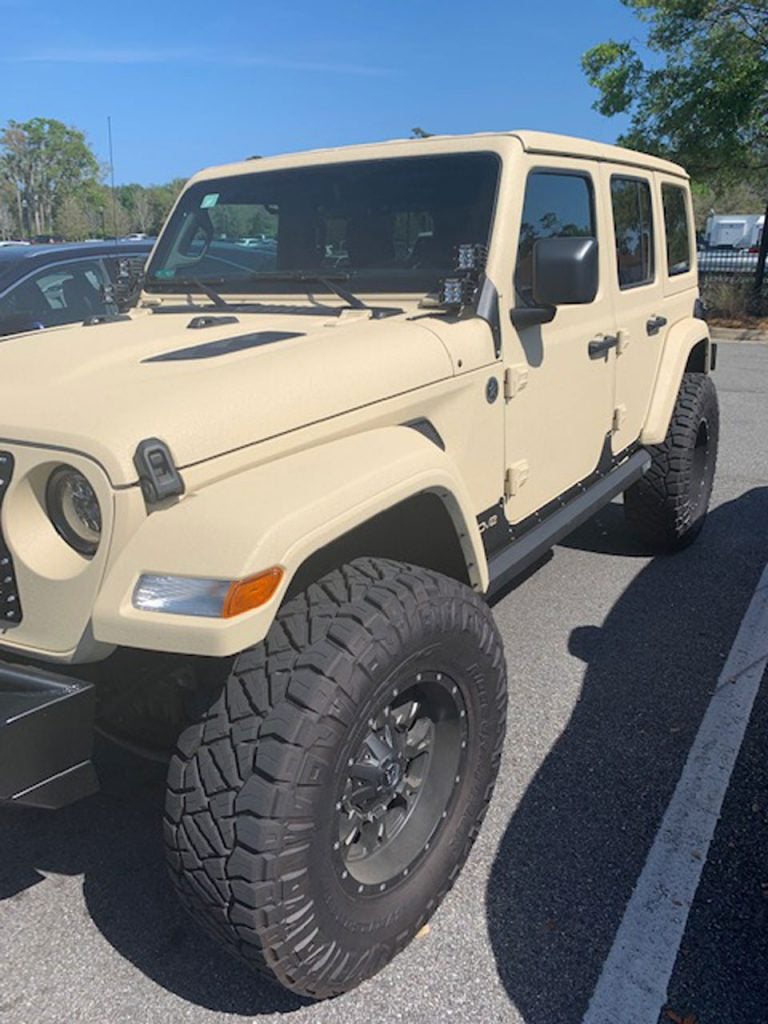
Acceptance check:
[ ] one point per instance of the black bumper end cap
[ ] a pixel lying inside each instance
(46, 737)
(73, 784)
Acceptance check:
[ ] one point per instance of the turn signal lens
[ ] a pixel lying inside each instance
(243, 595)
(208, 598)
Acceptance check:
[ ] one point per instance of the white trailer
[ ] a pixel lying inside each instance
(733, 231)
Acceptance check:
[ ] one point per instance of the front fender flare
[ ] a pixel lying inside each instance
(680, 341)
(278, 513)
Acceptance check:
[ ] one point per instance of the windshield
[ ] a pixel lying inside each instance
(391, 225)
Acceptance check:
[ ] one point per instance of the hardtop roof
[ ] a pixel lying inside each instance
(531, 142)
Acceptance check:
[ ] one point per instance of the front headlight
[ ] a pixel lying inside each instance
(74, 510)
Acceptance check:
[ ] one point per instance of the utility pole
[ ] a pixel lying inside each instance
(758, 301)
(112, 178)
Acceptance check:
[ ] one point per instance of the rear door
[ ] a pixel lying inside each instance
(637, 285)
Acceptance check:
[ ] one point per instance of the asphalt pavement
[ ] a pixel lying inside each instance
(613, 657)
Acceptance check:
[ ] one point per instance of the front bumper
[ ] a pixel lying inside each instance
(46, 737)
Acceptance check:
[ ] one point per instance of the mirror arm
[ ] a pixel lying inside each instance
(531, 316)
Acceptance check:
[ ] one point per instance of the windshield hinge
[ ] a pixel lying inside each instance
(157, 471)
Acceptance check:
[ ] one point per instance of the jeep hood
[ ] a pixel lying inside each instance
(102, 389)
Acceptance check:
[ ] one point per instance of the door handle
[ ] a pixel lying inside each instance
(601, 346)
(654, 325)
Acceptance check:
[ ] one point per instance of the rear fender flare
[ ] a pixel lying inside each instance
(680, 341)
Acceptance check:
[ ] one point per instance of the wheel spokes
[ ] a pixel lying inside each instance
(418, 737)
(405, 715)
(399, 782)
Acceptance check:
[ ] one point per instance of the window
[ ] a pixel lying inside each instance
(676, 229)
(56, 295)
(557, 205)
(633, 229)
(389, 225)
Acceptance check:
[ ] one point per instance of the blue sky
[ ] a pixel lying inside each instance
(198, 83)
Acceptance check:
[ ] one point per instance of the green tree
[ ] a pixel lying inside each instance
(72, 220)
(701, 94)
(43, 161)
(161, 200)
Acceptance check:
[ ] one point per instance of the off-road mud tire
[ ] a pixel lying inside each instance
(254, 790)
(667, 507)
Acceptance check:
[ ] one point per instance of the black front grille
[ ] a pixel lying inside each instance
(10, 605)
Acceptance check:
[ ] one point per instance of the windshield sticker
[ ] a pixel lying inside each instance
(164, 273)
(210, 200)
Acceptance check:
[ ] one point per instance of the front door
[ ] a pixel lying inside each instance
(559, 397)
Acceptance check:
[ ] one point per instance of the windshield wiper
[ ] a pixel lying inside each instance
(331, 283)
(211, 293)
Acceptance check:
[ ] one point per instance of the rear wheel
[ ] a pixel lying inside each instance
(667, 507)
(325, 804)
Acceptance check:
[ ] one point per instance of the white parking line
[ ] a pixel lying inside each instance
(632, 987)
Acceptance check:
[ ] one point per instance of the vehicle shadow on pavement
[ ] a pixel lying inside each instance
(114, 840)
(572, 852)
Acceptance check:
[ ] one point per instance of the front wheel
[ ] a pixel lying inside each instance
(324, 806)
(667, 507)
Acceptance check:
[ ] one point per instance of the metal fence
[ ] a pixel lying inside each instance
(730, 282)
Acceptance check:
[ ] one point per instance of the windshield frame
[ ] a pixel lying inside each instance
(291, 283)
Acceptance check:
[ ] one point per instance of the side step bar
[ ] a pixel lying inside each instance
(520, 554)
(46, 737)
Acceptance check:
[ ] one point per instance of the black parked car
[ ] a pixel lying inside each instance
(50, 285)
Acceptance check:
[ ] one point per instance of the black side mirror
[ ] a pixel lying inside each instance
(564, 271)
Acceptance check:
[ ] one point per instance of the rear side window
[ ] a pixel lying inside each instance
(676, 229)
(633, 229)
(557, 205)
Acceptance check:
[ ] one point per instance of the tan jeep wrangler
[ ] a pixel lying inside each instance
(254, 524)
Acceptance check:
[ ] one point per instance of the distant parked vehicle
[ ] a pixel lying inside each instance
(733, 231)
(13, 241)
(50, 285)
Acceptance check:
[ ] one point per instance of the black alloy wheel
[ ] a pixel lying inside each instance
(400, 783)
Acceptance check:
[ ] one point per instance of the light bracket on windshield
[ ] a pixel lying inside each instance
(461, 291)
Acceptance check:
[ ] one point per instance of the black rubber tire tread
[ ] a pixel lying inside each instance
(237, 829)
(667, 507)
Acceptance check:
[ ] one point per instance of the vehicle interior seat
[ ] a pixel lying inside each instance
(80, 296)
(369, 242)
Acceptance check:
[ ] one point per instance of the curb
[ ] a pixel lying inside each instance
(739, 334)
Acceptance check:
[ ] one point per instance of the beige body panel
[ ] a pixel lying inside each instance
(276, 514)
(57, 586)
(116, 397)
(285, 446)
(680, 340)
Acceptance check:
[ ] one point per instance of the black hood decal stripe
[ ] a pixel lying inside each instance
(224, 346)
